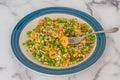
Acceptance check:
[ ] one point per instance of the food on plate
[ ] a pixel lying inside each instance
(48, 42)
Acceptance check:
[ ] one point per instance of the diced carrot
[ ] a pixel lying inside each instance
(41, 22)
(34, 35)
(67, 62)
(53, 54)
(64, 41)
(59, 34)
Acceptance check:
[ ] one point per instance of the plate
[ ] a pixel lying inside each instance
(21, 25)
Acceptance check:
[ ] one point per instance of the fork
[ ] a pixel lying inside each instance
(76, 40)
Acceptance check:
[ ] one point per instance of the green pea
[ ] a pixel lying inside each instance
(93, 41)
(81, 58)
(83, 49)
(57, 64)
(29, 42)
(69, 30)
(61, 20)
(34, 54)
(48, 23)
(89, 31)
(47, 19)
(74, 62)
(29, 34)
(52, 63)
(72, 21)
(40, 59)
(41, 39)
(67, 24)
(87, 38)
(37, 56)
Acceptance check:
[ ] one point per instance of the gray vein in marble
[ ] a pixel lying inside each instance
(114, 3)
(12, 13)
(101, 2)
(6, 5)
(115, 63)
(117, 51)
(99, 70)
(119, 26)
(49, 2)
(28, 75)
(113, 42)
(2, 68)
(3, 4)
(17, 75)
(88, 5)
(21, 4)
(22, 74)
(117, 74)
(118, 65)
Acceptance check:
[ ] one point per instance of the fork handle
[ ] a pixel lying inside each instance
(115, 29)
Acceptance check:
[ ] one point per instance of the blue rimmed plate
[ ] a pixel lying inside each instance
(27, 23)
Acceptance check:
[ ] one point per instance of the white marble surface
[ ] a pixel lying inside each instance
(107, 12)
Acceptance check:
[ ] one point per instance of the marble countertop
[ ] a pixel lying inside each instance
(107, 12)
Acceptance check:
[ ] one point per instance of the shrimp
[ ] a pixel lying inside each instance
(53, 54)
(64, 41)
